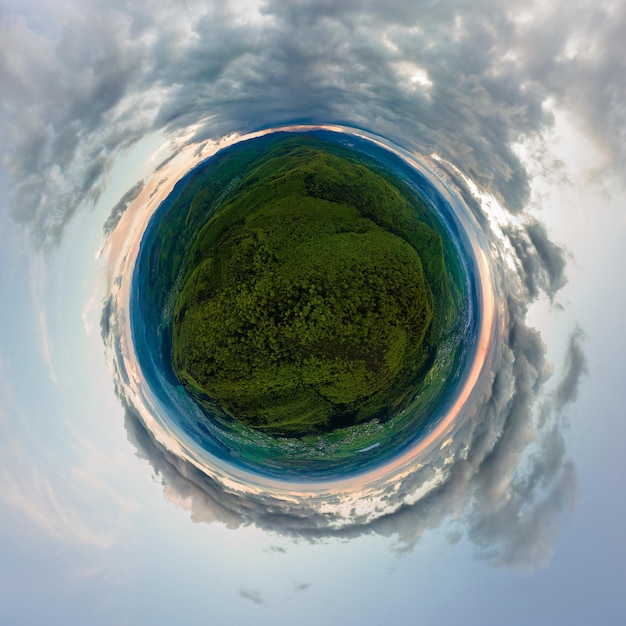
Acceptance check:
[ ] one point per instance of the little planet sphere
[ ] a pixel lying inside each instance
(312, 294)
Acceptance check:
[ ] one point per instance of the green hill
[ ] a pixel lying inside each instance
(312, 297)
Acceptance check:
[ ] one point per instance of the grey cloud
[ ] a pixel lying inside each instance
(119, 209)
(514, 518)
(508, 508)
(579, 59)
(180, 478)
(575, 368)
(105, 318)
(251, 594)
(551, 255)
(210, 502)
(410, 522)
(522, 532)
(338, 66)
(470, 201)
(542, 262)
(61, 122)
(517, 430)
(106, 75)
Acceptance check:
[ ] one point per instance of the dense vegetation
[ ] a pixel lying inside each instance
(311, 298)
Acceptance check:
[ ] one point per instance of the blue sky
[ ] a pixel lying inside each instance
(526, 101)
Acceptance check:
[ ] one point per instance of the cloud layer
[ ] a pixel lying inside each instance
(81, 83)
(505, 479)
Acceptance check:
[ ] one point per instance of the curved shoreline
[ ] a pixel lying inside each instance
(238, 478)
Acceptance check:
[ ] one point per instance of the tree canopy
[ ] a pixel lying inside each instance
(307, 303)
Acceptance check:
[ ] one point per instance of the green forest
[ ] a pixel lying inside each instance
(313, 296)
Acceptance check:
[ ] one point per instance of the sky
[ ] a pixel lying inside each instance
(518, 108)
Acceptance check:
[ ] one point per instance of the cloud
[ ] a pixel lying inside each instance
(575, 368)
(118, 210)
(542, 262)
(64, 116)
(251, 594)
(581, 65)
(105, 318)
(36, 497)
(505, 477)
(82, 82)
